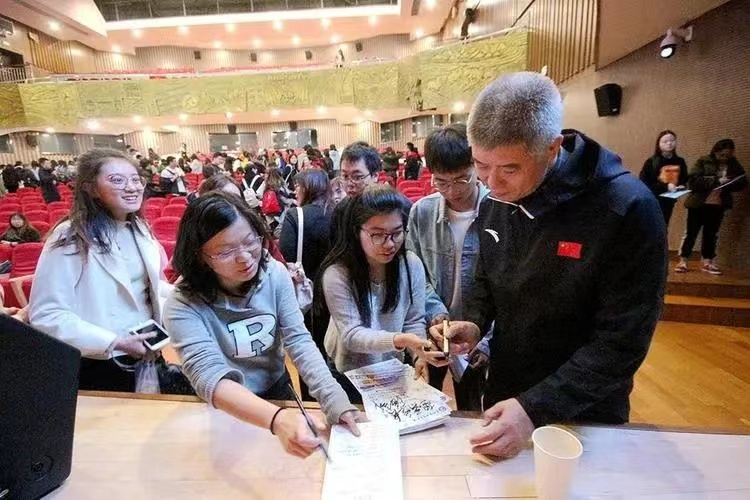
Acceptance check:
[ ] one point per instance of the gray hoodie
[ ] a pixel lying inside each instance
(244, 339)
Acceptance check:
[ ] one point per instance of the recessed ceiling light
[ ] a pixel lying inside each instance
(368, 112)
(322, 109)
(183, 30)
(228, 114)
(116, 49)
(137, 33)
(456, 31)
(419, 33)
(373, 20)
(325, 22)
(230, 27)
(75, 52)
(49, 130)
(217, 44)
(458, 106)
(295, 40)
(277, 25)
(54, 25)
(92, 124)
(275, 112)
(137, 118)
(183, 117)
(257, 42)
(430, 4)
(335, 39)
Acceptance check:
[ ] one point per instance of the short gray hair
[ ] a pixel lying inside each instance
(517, 108)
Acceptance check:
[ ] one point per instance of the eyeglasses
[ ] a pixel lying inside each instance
(354, 179)
(251, 244)
(442, 185)
(120, 182)
(379, 239)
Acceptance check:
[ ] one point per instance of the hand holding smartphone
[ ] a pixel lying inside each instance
(160, 336)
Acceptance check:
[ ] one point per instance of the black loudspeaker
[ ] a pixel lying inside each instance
(292, 126)
(358, 46)
(232, 128)
(197, 55)
(608, 99)
(253, 57)
(32, 140)
(308, 55)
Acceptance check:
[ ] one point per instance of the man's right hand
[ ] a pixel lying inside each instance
(463, 336)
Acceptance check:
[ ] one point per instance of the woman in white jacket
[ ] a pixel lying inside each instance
(100, 273)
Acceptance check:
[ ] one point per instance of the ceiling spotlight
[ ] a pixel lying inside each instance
(325, 22)
(373, 20)
(668, 45)
(335, 39)
(458, 107)
(230, 27)
(275, 112)
(183, 30)
(277, 25)
(54, 25)
(430, 4)
(49, 130)
(228, 114)
(137, 118)
(321, 110)
(183, 117)
(116, 49)
(419, 33)
(217, 44)
(368, 112)
(92, 124)
(295, 40)
(137, 33)
(257, 42)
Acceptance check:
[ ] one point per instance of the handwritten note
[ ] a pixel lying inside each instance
(390, 393)
(367, 467)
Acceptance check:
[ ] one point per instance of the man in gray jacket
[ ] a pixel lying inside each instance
(442, 232)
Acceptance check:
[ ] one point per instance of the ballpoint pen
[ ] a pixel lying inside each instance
(310, 423)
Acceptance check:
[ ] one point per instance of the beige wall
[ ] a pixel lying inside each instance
(701, 93)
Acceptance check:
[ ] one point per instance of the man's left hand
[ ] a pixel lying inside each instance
(507, 430)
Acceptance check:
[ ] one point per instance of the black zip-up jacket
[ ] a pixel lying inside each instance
(573, 277)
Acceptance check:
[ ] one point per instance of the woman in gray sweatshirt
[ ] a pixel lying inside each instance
(233, 317)
(374, 289)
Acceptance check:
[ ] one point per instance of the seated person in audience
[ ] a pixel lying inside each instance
(100, 273)
(19, 231)
(233, 317)
(571, 268)
(443, 233)
(373, 288)
(173, 177)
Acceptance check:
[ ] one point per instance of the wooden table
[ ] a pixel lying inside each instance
(179, 448)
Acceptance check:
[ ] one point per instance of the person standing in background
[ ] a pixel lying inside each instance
(48, 181)
(707, 202)
(335, 158)
(665, 172)
(11, 178)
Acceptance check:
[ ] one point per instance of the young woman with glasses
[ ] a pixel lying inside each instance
(233, 317)
(373, 288)
(100, 273)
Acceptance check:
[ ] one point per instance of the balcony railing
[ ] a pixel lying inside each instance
(12, 74)
(123, 10)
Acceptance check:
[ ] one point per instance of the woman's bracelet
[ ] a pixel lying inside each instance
(270, 427)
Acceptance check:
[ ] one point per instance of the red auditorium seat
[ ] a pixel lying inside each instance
(165, 228)
(152, 213)
(402, 184)
(179, 200)
(34, 207)
(6, 252)
(155, 202)
(7, 205)
(57, 214)
(41, 226)
(168, 247)
(37, 215)
(5, 214)
(173, 211)
(23, 266)
(59, 205)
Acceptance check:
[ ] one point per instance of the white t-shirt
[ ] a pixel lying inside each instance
(459, 223)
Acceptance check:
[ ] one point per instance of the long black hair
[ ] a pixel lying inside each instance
(203, 219)
(91, 223)
(376, 199)
(657, 149)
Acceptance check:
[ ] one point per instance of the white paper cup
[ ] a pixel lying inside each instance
(556, 454)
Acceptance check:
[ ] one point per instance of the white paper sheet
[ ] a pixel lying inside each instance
(367, 467)
(389, 392)
(676, 194)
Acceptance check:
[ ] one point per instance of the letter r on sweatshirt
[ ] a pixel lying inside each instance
(253, 335)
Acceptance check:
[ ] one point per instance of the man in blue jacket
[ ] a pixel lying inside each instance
(571, 268)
